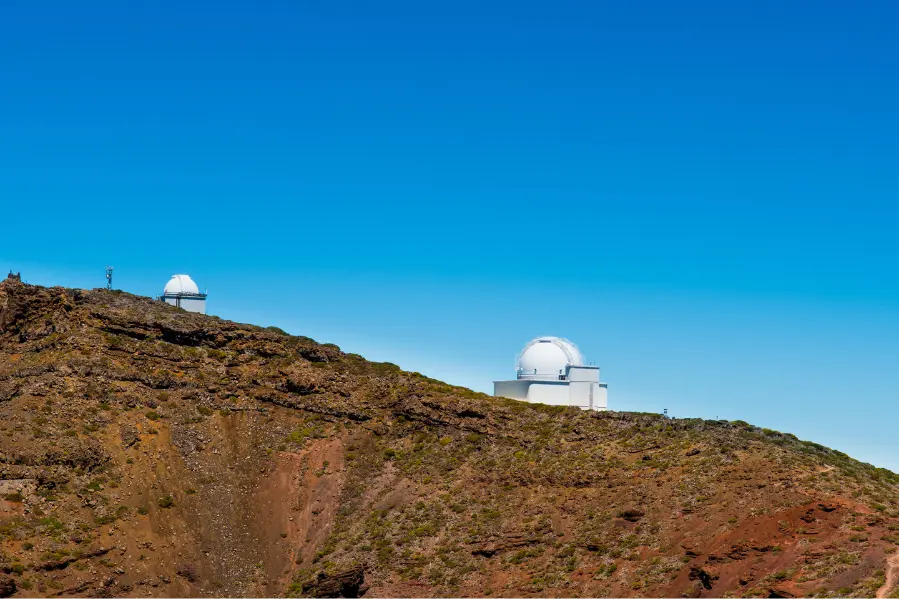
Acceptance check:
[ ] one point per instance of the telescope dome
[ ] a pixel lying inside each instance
(179, 284)
(548, 357)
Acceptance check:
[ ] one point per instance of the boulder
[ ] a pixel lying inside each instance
(344, 583)
(7, 586)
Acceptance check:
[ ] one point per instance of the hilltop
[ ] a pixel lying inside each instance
(150, 451)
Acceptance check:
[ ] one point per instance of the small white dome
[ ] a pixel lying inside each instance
(181, 284)
(548, 357)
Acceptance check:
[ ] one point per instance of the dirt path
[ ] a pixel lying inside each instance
(892, 577)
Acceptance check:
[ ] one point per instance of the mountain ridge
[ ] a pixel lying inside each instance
(147, 450)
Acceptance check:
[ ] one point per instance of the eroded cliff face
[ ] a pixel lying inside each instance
(148, 451)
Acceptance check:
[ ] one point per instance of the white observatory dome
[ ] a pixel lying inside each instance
(547, 357)
(181, 284)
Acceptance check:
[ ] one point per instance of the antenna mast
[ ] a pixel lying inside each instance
(109, 277)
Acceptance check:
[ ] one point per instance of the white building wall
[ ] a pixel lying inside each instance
(193, 305)
(581, 389)
(579, 394)
(511, 389)
(600, 396)
(583, 373)
(189, 304)
(549, 392)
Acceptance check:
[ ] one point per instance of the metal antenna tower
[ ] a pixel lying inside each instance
(109, 277)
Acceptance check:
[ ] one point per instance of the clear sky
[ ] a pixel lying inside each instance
(702, 195)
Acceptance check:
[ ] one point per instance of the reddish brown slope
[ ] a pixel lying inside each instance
(147, 451)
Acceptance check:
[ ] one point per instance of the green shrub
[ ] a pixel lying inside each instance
(782, 575)
(631, 515)
(51, 522)
(166, 501)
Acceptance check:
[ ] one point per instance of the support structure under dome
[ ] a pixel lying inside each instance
(182, 292)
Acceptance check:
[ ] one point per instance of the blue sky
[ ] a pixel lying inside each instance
(702, 195)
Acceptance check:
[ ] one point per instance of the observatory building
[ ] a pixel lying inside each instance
(551, 371)
(181, 291)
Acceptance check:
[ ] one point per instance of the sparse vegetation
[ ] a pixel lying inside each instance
(400, 479)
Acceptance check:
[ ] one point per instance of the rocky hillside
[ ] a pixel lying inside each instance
(148, 451)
